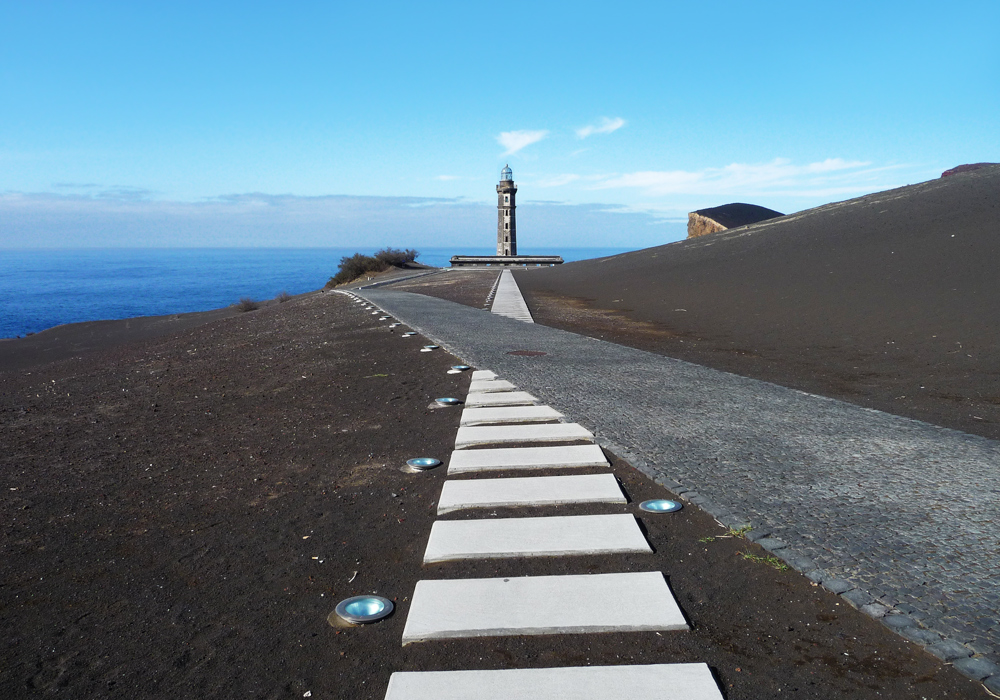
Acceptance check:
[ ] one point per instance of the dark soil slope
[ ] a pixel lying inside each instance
(891, 300)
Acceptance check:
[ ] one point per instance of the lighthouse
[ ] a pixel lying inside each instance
(506, 235)
(506, 228)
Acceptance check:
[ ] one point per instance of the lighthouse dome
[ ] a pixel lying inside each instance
(506, 175)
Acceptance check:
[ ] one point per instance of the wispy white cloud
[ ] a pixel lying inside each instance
(514, 141)
(74, 185)
(126, 193)
(92, 189)
(830, 177)
(605, 127)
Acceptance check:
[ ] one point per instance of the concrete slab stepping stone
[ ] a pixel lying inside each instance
(483, 375)
(662, 681)
(565, 535)
(470, 435)
(481, 385)
(568, 457)
(529, 491)
(531, 605)
(496, 415)
(500, 398)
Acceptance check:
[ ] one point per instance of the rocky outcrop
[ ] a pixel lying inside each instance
(705, 221)
(699, 225)
(968, 167)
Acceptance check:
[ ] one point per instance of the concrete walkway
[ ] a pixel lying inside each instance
(895, 514)
(508, 300)
(541, 605)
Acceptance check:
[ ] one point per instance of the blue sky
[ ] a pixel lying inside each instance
(387, 123)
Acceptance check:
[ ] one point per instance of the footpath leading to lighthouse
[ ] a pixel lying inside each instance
(841, 493)
(183, 513)
(508, 300)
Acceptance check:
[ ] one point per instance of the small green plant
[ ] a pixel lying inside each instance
(730, 533)
(770, 560)
(247, 304)
(282, 297)
(371, 376)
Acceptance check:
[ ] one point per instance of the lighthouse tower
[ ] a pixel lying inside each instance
(506, 229)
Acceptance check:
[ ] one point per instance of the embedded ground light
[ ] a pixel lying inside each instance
(361, 609)
(660, 505)
(422, 463)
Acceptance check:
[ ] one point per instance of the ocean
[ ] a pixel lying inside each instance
(44, 288)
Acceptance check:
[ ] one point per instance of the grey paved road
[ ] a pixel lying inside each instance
(906, 513)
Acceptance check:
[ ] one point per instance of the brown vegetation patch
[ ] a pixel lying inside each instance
(567, 312)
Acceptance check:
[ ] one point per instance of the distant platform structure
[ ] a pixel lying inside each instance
(705, 221)
(504, 260)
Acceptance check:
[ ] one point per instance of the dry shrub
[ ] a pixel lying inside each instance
(247, 304)
(354, 266)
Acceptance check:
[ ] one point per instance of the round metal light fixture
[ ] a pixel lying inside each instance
(361, 609)
(448, 401)
(422, 463)
(407, 334)
(461, 368)
(660, 505)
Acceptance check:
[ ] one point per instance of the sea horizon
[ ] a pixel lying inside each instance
(45, 287)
